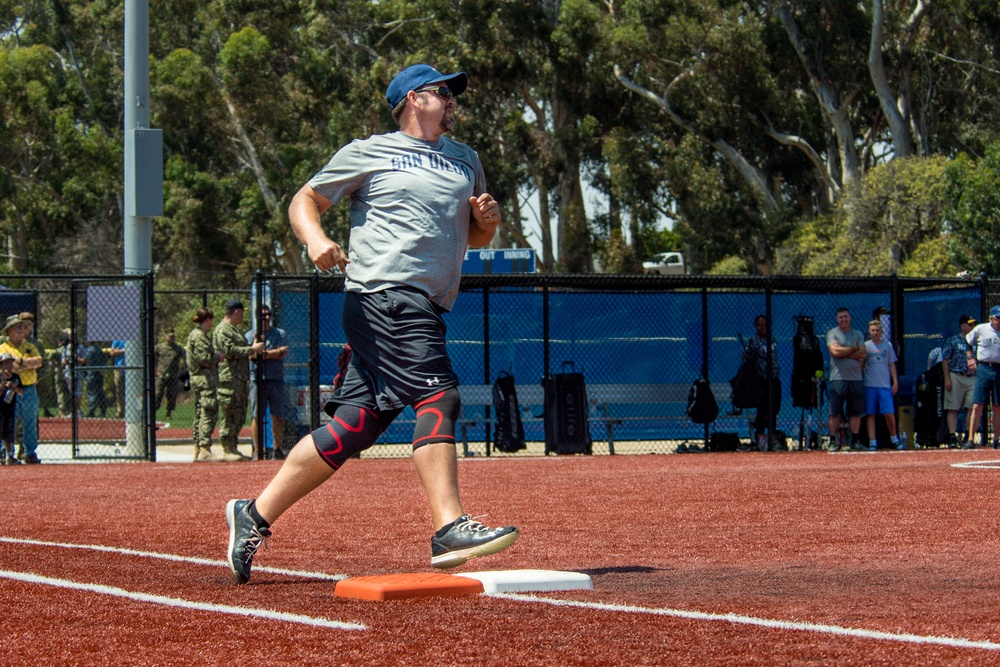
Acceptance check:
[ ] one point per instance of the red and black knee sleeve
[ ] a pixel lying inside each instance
(351, 431)
(436, 417)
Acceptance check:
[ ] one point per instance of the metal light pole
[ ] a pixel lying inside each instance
(143, 194)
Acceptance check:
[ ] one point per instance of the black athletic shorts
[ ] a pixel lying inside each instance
(398, 339)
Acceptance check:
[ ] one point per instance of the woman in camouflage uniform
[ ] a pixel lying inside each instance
(202, 363)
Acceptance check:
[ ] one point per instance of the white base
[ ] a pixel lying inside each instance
(524, 581)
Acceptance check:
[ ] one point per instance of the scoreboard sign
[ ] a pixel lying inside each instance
(506, 260)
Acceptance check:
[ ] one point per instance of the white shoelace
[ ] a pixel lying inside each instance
(255, 542)
(471, 524)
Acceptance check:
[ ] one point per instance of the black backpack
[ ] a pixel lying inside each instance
(508, 431)
(701, 407)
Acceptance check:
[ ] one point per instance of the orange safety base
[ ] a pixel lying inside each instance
(400, 586)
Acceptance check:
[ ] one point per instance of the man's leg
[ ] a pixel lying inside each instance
(996, 425)
(303, 471)
(437, 467)
(278, 435)
(835, 403)
(253, 433)
(310, 463)
(250, 520)
(974, 416)
(172, 388)
(457, 537)
(27, 410)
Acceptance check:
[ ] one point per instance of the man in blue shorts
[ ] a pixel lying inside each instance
(881, 384)
(847, 356)
(985, 340)
(418, 200)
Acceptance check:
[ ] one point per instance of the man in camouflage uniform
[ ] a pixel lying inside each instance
(202, 363)
(234, 378)
(169, 363)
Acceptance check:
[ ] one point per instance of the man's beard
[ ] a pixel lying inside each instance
(447, 122)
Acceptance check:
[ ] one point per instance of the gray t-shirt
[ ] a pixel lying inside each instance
(845, 368)
(986, 340)
(880, 355)
(410, 211)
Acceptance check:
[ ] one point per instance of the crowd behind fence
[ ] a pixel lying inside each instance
(628, 335)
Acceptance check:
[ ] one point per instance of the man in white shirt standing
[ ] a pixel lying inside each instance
(985, 339)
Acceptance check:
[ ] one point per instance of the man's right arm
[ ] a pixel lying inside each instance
(304, 215)
(835, 348)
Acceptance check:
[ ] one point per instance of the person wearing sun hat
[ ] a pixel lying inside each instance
(958, 363)
(985, 340)
(418, 202)
(10, 389)
(27, 361)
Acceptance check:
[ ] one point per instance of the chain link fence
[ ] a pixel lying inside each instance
(88, 398)
(639, 341)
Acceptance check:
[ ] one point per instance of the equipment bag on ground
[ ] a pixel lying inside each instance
(702, 407)
(508, 430)
(567, 423)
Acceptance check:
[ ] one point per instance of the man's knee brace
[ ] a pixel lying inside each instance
(436, 417)
(352, 430)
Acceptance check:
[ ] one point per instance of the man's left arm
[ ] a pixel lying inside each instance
(30, 360)
(485, 218)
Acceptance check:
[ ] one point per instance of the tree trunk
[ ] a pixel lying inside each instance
(574, 232)
(833, 107)
(902, 142)
(753, 176)
(286, 252)
(545, 220)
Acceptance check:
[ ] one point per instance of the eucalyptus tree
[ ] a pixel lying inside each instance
(798, 100)
(59, 152)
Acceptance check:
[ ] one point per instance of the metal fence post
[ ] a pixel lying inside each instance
(772, 418)
(258, 419)
(704, 344)
(314, 350)
(149, 377)
(486, 360)
(896, 305)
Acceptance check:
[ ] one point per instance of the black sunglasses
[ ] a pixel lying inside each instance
(440, 91)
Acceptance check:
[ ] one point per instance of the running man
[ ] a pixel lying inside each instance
(418, 200)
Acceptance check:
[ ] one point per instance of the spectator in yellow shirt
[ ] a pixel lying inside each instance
(27, 361)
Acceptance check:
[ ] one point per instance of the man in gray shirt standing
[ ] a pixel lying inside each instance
(417, 200)
(847, 388)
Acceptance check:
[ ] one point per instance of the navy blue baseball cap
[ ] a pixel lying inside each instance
(418, 76)
(995, 311)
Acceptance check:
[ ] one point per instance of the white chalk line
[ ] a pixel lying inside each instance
(268, 614)
(977, 464)
(521, 597)
(172, 557)
(955, 642)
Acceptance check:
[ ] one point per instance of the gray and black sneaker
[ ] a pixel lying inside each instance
(466, 538)
(245, 538)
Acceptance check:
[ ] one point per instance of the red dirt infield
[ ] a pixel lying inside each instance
(699, 559)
